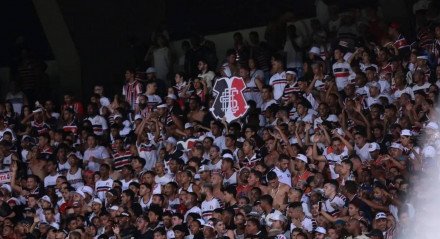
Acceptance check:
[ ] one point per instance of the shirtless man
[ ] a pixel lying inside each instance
(196, 112)
(278, 191)
(254, 181)
(217, 183)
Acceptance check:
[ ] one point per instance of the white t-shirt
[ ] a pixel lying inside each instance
(51, 180)
(284, 176)
(99, 152)
(363, 153)
(75, 179)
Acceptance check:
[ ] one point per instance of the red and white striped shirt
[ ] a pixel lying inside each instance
(131, 91)
(342, 72)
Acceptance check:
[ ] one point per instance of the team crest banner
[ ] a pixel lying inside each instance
(229, 102)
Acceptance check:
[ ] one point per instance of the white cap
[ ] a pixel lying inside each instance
(150, 70)
(380, 215)
(374, 84)
(228, 155)
(81, 193)
(321, 230)
(277, 217)
(204, 168)
(396, 146)
(275, 214)
(422, 57)
(46, 198)
(7, 187)
(291, 72)
(432, 125)
(188, 125)
(97, 200)
(315, 50)
(405, 132)
(38, 110)
(170, 140)
(114, 208)
(172, 96)
(117, 116)
(88, 190)
(209, 223)
(302, 157)
(373, 147)
(136, 117)
(162, 106)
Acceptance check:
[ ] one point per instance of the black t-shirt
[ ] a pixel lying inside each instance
(147, 235)
(5, 209)
(128, 233)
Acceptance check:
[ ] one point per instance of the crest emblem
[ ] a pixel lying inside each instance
(229, 102)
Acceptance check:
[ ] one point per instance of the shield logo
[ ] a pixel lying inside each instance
(229, 102)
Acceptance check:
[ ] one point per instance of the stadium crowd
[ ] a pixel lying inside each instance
(330, 146)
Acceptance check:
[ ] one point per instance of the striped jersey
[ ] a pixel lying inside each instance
(99, 124)
(71, 127)
(342, 72)
(292, 88)
(131, 91)
(40, 128)
(334, 205)
(401, 42)
(149, 153)
(102, 186)
(120, 159)
(208, 208)
(278, 82)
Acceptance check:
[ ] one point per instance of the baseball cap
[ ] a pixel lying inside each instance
(88, 190)
(171, 140)
(321, 230)
(227, 155)
(380, 215)
(396, 146)
(114, 208)
(189, 125)
(302, 157)
(291, 71)
(81, 193)
(373, 147)
(315, 50)
(405, 132)
(209, 224)
(97, 200)
(203, 168)
(136, 117)
(7, 187)
(374, 84)
(171, 96)
(422, 57)
(162, 106)
(46, 198)
(277, 217)
(124, 214)
(150, 70)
